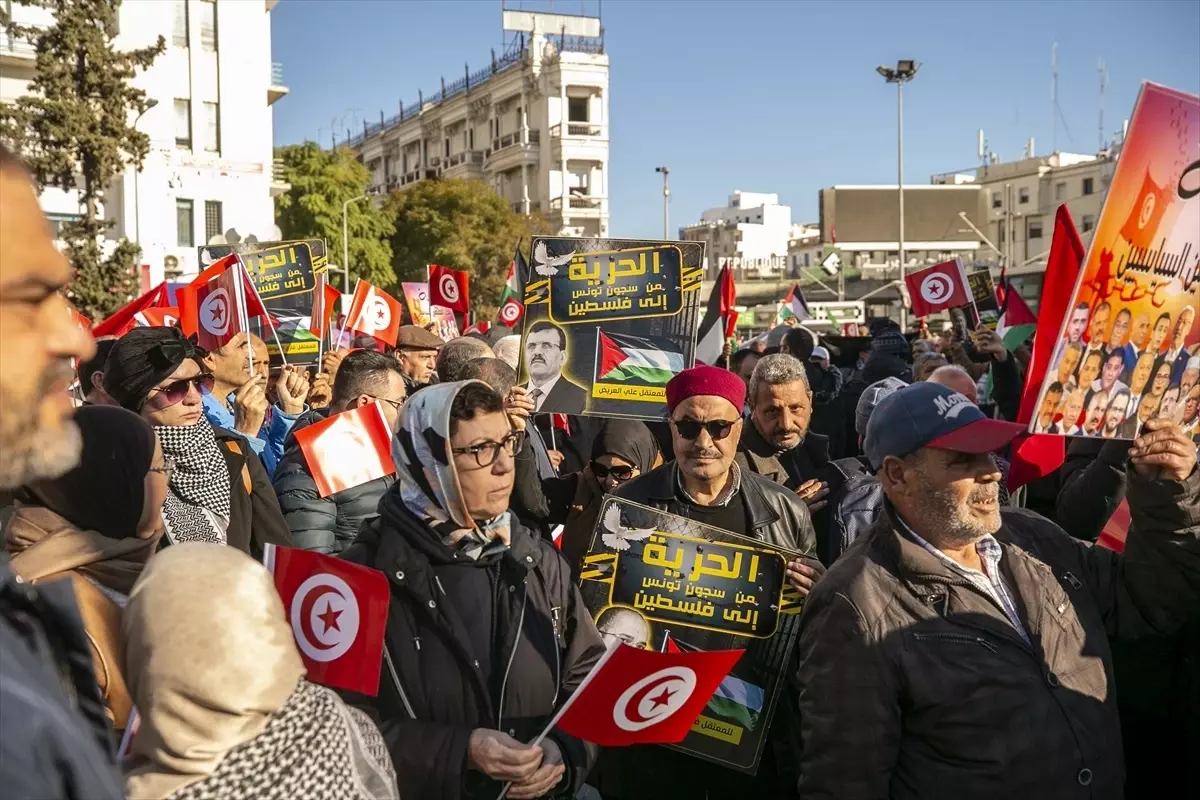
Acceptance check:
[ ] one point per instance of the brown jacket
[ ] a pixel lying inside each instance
(913, 684)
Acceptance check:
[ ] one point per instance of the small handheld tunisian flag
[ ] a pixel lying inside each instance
(635, 696)
(325, 299)
(338, 612)
(219, 303)
(448, 288)
(122, 320)
(375, 313)
(937, 288)
(165, 317)
(512, 305)
(347, 449)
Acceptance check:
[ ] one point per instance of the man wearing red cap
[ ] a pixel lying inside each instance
(706, 484)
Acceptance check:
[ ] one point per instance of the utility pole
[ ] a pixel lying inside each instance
(666, 201)
(904, 71)
(346, 238)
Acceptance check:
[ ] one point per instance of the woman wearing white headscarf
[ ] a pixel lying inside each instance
(486, 631)
(226, 713)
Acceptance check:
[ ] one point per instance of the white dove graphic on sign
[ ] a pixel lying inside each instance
(620, 537)
(546, 265)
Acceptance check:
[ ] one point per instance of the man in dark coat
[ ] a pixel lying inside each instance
(329, 524)
(959, 648)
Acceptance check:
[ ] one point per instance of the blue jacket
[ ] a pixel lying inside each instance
(269, 442)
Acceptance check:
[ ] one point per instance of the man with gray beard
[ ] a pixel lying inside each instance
(53, 729)
(962, 649)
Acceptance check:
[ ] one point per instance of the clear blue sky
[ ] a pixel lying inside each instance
(764, 96)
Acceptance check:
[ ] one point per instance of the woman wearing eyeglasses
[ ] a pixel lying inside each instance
(219, 490)
(97, 525)
(486, 632)
(622, 450)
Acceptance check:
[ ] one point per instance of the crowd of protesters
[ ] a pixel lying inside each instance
(958, 640)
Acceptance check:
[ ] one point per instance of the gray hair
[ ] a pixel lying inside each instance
(457, 353)
(775, 370)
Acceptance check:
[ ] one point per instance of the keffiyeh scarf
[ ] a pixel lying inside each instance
(428, 481)
(197, 504)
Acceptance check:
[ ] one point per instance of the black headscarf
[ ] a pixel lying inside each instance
(105, 493)
(142, 358)
(629, 439)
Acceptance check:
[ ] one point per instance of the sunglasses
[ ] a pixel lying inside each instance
(618, 473)
(718, 429)
(175, 391)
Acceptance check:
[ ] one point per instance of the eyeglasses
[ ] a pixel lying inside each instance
(618, 473)
(167, 469)
(396, 404)
(176, 391)
(718, 429)
(486, 453)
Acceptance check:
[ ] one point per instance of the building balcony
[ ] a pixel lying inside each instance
(467, 164)
(417, 175)
(583, 206)
(588, 131)
(276, 88)
(279, 184)
(18, 55)
(512, 150)
(579, 140)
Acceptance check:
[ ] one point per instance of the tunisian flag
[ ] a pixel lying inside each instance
(219, 303)
(325, 299)
(937, 288)
(449, 288)
(347, 449)
(338, 612)
(635, 696)
(375, 313)
(122, 320)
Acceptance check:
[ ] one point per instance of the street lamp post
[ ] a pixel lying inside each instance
(346, 238)
(666, 200)
(905, 70)
(137, 200)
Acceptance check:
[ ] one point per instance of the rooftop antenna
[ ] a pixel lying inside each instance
(1103, 83)
(1054, 96)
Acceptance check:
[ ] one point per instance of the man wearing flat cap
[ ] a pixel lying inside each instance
(417, 350)
(706, 484)
(961, 648)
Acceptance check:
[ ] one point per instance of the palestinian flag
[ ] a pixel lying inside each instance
(624, 358)
(792, 308)
(719, 319)
(511, 306)
(1017, 323)
(734, 699)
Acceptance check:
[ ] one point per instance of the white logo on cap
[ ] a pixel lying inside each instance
(936, 287)
(951, 406)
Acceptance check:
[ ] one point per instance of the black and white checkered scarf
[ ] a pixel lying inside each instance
(197, 504)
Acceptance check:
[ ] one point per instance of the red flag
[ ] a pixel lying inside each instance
(375, 313)
(1038, 455)
(83, 322)
(219, 306)
(325, 299)
(728, 300)
(482, 327)
(937, 288)
(1116, 529)
(635, 696)
(164, 317)
(562, 422)
(348, 449)
(1147, 211)
(449, 288)
(121, 321)
(338, 613)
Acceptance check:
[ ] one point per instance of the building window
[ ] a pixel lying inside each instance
(212, 219)
(212, 127)
(1089, 185)
(185, 225)
(57, 221)
(1000, 231)
(183, 123)
(1060, 191)
(577, 109)
(208, 25)
(996, 201)
(179, 34)
(1089, 222)
(1023, 195)
(1035, 229)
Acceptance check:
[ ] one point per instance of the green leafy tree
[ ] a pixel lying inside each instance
(461, 224)
(75, 130)
(312, 209)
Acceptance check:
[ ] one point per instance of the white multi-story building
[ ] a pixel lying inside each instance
(533, 125)
(750, 234)
(210, 166)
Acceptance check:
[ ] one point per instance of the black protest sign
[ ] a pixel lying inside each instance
(650, 577)
(983, 293)
(608, 322)
(285, 276)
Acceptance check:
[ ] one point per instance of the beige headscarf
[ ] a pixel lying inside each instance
(209, 656)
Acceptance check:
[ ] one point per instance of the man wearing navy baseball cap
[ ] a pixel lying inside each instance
(959, 649)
